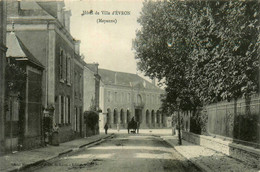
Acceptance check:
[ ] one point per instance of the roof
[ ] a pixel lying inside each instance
(32, 8)
(93, 67)
(16, 49)
(50, 6)
(40, 7)
(125, 79)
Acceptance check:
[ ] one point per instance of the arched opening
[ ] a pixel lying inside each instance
(108, 116)
(147, 117)
(122, 118)
(153, 117)
(139, 99)
(128, 117)
(157, 117)
(115, 116)
(163, 120)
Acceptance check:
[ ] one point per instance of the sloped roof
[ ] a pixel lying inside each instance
(32, 8)
(16, 49)
(125, 79)
(50, 6)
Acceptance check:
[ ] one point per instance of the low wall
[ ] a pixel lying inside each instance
(237, 119)
(247, 154)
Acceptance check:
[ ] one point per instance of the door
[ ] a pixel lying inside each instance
(12, 123)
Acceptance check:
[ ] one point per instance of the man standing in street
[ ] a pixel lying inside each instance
(106, 128)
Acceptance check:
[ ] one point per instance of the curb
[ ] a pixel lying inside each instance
(98, 140)
(28, 165)
(23, 167)
(197, 164)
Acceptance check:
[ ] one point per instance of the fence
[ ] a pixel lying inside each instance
(238, 119)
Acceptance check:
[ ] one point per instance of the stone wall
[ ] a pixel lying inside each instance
(246, 154)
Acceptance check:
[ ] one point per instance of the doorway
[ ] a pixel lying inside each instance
(138, 115)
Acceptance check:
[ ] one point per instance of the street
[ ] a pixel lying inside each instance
(123, 152)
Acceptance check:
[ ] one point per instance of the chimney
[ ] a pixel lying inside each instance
(60, 12)
(96, 67)
(77, 46)
(115, 77)
(67, 19)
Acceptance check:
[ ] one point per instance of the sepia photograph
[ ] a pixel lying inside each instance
(130, 85)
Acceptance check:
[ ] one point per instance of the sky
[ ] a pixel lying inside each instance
(108, 44)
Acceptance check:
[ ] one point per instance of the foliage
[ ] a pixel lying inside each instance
(245, 127)
(198, 122)
(47, 124)
(203, 51)
(91, 119)
(15, 78)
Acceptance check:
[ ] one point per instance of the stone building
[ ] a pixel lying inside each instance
(2, 71)
(44, 28)
(91, 91)
(91, 87)
(78, 94)
(23, 119)
(127, 95)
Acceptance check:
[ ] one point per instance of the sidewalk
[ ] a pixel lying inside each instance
(207, 159)
(23, 159)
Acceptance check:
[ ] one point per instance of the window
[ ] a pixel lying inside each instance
(148, 99)
(80, 86)
(69, 120)
(64, 73)
(61, 64)
(75, 81)
(108, 96)
(62, 111)
(139, 99)
(68, 69)
(76, 119)
(129, 97)
(66, 110)
(115, 96)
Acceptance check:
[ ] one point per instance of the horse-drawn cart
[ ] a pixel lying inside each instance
(132, 126)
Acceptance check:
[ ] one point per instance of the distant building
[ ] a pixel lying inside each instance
(91, 89)
(2, 72)
(126, 95)
(44, 28)
(78, 94)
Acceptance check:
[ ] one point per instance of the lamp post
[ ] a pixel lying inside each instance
(178, 100)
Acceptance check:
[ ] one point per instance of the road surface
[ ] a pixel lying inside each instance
(124, 153)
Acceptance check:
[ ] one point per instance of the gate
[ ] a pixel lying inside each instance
(12, 123)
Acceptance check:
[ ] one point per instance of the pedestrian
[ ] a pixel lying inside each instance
(138, 125)
(118, 127)
(106, 128)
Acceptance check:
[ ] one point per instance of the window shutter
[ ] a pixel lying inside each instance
(60, 109)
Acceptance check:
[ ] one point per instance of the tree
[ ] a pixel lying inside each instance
(205, 50)
(225, 61)
(161, 49)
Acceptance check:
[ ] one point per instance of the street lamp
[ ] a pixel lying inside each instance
(178, 100)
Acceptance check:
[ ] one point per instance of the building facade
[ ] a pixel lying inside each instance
(44, 28)
(127, 95)
(78, 96)
(23, 119)
(2, 72)
(91, 90)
